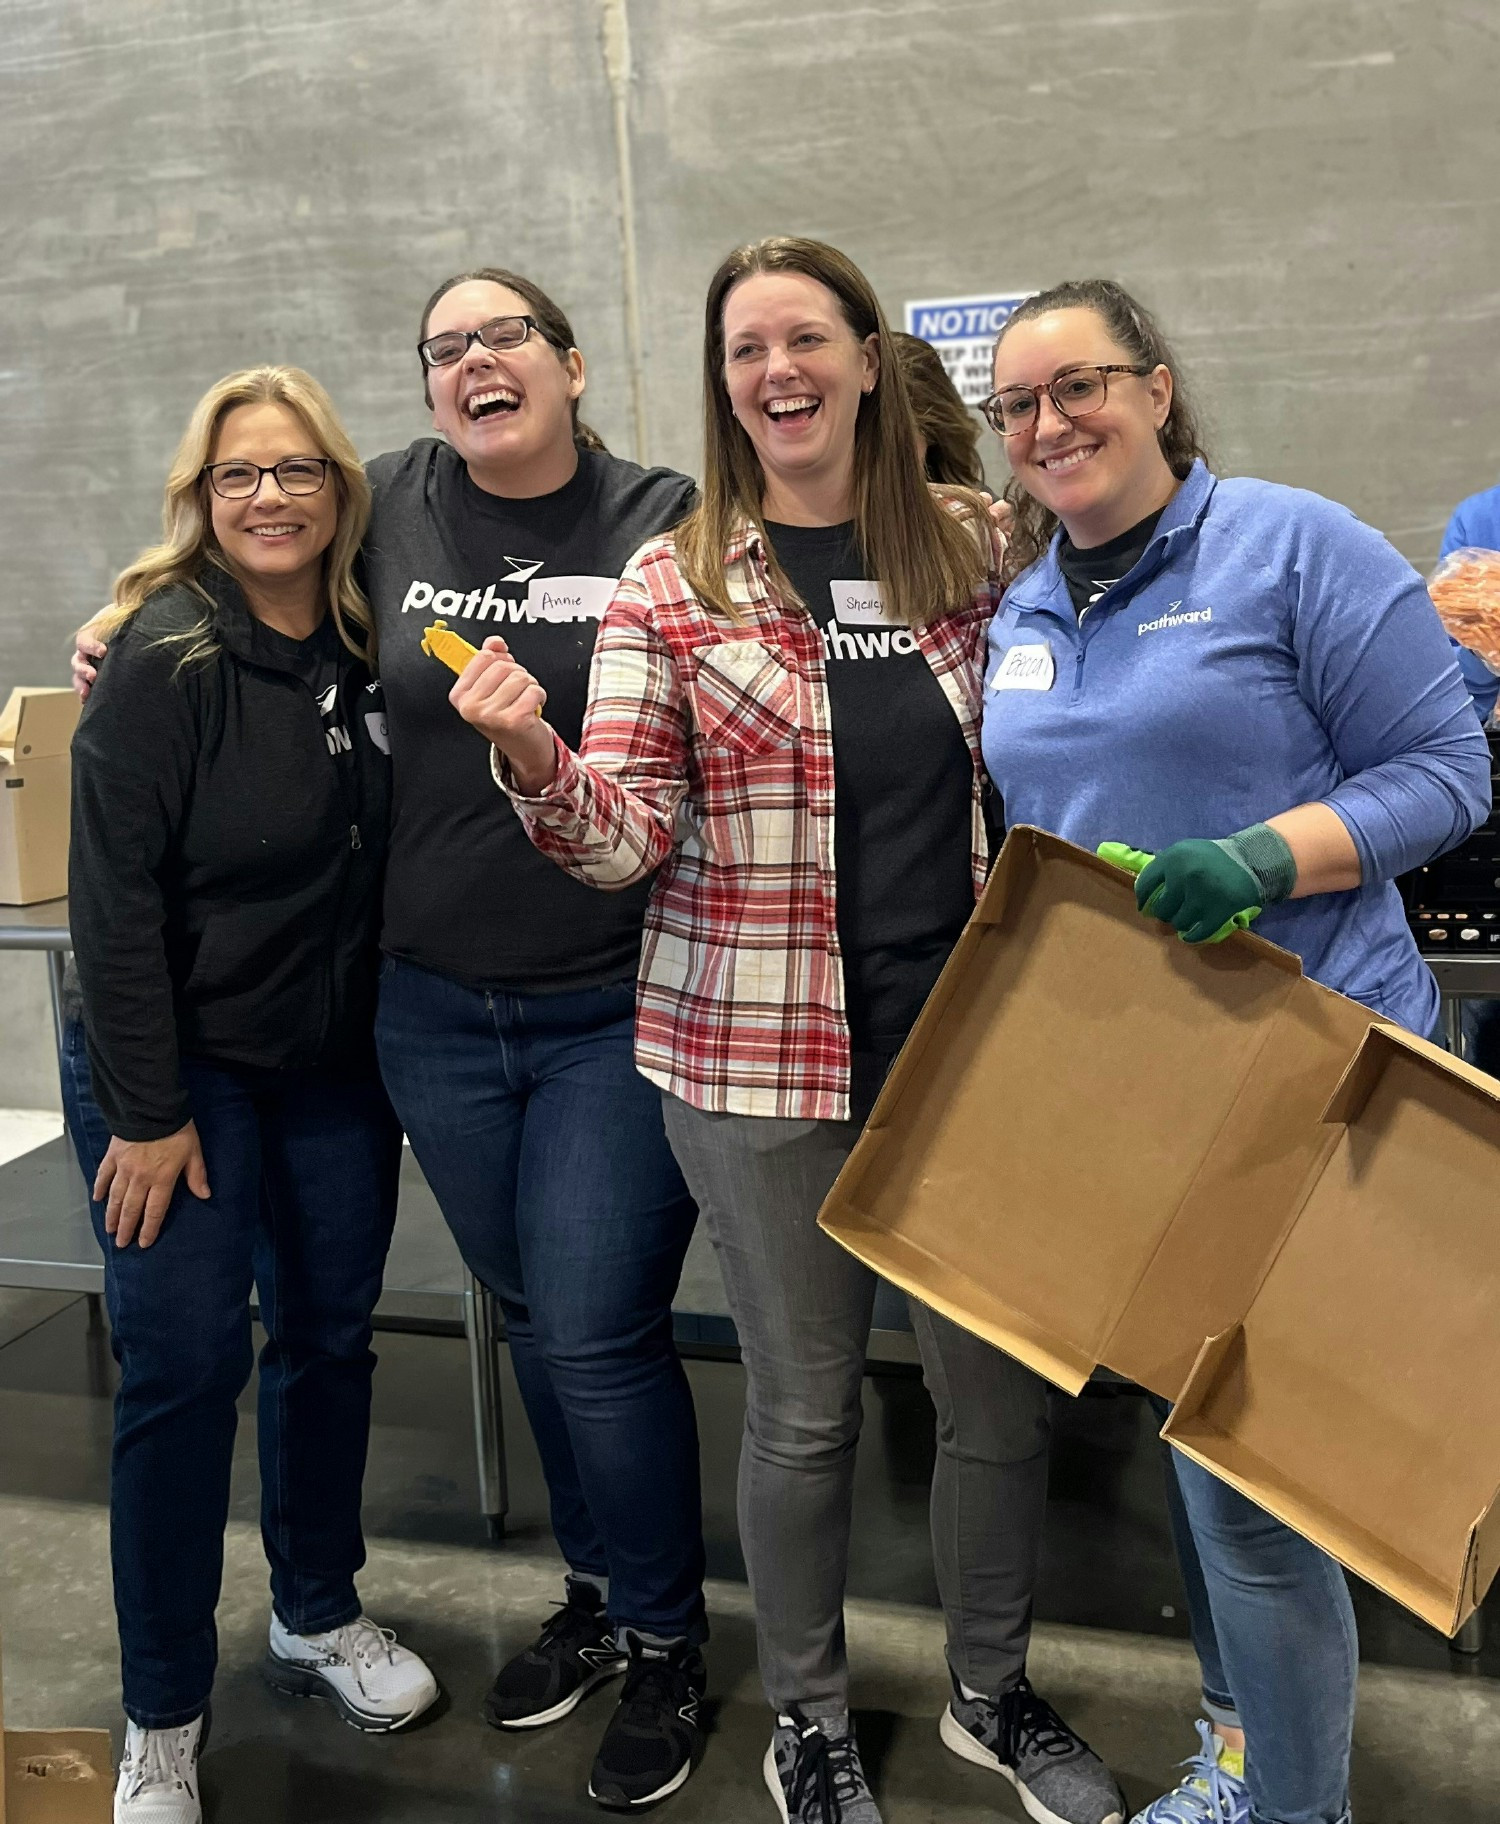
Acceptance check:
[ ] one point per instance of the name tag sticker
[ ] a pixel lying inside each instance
(858, 604)
(570, 598)
(1025, 668)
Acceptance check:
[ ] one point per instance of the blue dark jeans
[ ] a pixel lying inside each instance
(545, 1149)
(1275, 1635)
(303, 1168)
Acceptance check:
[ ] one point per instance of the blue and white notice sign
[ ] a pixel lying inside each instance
(963, 332)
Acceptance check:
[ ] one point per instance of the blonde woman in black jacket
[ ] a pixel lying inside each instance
(230, 809)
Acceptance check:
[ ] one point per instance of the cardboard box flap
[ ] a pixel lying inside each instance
(37, 723)
(1366, 1385)
(976, 1164)
(1222, 1365)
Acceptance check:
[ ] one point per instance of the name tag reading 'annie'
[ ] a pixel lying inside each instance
(1025, 668)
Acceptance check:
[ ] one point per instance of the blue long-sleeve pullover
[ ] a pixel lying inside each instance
(1268, 650)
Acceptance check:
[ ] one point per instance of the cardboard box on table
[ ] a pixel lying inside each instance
(55, 1776)
(1102, 1147)
(36, 727)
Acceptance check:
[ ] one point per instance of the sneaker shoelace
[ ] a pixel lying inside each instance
(166, 1760)
(572, 1621)
(826, 1771)
(1029, 1722)
(651, 1686)
(1208, 1793)
(362, 1645)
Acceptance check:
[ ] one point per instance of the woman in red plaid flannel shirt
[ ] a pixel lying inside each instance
(792, 749)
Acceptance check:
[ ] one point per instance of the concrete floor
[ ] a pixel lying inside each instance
(1429, 1726)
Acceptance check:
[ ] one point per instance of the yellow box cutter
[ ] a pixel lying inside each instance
(441, 642)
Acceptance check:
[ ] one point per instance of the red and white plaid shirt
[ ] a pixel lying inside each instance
(707, 754)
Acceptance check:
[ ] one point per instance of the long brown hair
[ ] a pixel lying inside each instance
(188, 541)
(555, 328)
(1132, 326)
(948, 429)
(927, 557)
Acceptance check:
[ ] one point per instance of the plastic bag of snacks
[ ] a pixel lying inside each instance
(1465, 590)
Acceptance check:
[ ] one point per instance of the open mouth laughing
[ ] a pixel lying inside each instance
(801, 409)
(492, 402)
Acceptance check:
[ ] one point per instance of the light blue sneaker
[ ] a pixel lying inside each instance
(1207, 1793)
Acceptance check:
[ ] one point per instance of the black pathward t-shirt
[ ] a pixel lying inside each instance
(315, 661)
(903, 784)
(466, 893)
(1088, 573)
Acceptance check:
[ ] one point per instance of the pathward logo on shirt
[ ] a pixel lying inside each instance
(545, 598)
(1175, 618)
(860, 628)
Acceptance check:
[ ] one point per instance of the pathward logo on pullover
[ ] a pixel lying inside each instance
(1172, 618)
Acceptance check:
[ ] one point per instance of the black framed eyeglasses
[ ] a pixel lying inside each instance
(499, 334)
(1075, 392)
(241, 480)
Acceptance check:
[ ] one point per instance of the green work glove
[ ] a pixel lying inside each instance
(1205, 890)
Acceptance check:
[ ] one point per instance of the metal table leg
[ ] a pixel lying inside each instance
(482, 1327)
(1470, 1637)
(1453, 1024)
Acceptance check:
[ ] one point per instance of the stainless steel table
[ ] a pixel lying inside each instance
(47, 1240)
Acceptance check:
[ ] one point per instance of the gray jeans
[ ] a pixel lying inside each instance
(802, 1307)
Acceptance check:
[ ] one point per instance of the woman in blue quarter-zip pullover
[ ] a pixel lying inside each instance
(1245, 680)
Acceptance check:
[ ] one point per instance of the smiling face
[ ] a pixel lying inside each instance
(509, 414)
(274, 541)
(795, 373)
(1101, 474)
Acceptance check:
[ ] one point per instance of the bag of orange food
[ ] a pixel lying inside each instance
(1465, 590)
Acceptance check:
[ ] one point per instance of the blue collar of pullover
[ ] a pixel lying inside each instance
(1036, 586)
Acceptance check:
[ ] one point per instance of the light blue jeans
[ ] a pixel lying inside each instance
(1274, 1631)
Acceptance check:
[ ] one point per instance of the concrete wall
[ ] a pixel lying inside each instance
(1305, 189)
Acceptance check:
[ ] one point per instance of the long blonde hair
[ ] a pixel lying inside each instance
(928, 559)
(188, 540)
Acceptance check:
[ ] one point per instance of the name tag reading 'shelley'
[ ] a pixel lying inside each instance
(1025, 668)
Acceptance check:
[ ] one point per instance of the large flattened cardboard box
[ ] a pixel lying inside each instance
(36, 727)
(1103, 1148)
(55, 1776)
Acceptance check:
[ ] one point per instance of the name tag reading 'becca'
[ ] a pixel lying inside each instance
(1025, 668)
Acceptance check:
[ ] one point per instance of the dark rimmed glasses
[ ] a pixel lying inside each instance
(1075, 392)
(499, 334)
(241, 480)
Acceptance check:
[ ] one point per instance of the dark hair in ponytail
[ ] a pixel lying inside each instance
(1136, 331)
(554, 326)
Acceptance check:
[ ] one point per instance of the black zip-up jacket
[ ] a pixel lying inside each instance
(225, 871)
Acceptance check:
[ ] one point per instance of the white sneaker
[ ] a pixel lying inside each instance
(374, 1684)
(158, 1781)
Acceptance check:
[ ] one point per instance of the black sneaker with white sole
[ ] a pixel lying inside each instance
(1057, 1776)
(575, 1652)
(655, 1736)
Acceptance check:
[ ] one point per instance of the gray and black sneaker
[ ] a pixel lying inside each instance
(575, 1651)
(1059, 1778)
(812, 1768)
(655, 1737)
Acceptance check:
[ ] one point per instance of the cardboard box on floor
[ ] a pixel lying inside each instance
(36, 727)
(55, 1776)
(1101, 1147)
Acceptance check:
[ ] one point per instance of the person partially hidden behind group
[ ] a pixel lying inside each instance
(231, 788)
(782, 736)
